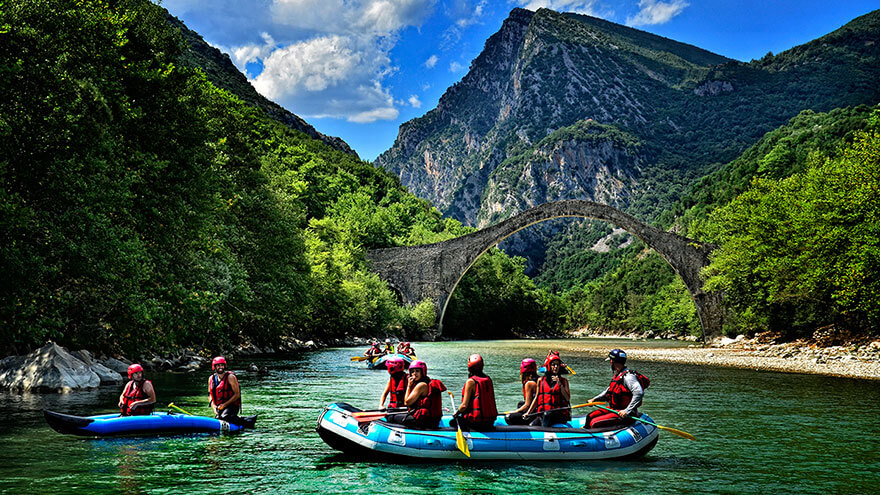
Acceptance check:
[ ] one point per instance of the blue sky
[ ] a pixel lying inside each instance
(359, 68)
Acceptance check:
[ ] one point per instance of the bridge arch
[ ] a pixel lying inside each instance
(434, 270)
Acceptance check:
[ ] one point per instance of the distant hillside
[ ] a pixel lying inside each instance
(497, 141)
(223, 74)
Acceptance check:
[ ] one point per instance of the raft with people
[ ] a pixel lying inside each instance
(381, 362)
(344, 428)
(156, 423)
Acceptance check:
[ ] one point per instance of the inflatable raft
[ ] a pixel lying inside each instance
(569, 441)
(154, 424)
(379, 362)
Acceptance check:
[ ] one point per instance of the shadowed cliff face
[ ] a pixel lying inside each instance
(492, 147)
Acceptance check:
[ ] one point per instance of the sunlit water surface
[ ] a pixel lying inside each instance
(758, 433)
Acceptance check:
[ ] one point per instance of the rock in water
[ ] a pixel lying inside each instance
(107, 375)
(48, 369)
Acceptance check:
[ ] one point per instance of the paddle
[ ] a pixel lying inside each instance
(680, 433)
(460, 442)
(563, 408)
(359, 358)
(179, 409)
(367, 416)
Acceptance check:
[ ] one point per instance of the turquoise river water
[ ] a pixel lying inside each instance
(758, 433)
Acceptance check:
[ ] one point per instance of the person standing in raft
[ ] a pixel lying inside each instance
(528, 374)
(477, 410)
(624, 394)
(138, 395)
(552, 393)
(424, 398)
(224, 391)
(396, 387)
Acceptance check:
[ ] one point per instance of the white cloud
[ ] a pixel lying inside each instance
(426, 87)
(455, 67)
(466, 15)
(338, 58)
(588, 7)
(656, 12)
(414, 101)
(431, 62)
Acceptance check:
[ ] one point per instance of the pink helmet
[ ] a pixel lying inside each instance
(134, 368)
(528, 364)
(218, 360)
(475, 362)
(418, 365)
(394, 365)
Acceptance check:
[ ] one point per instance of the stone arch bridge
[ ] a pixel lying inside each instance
(434, 270)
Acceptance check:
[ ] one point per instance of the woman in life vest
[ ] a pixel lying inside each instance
(528, 375)
(552, 395)
(138, 395)
(477, 409)
(224, 391)
(406, 349)
(373, 351)
(396, 387)
(424, 398)
(623, 394)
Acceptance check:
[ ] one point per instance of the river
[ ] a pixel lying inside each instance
(758, 432)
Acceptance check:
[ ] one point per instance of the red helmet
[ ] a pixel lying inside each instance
(134, 368)
(528, 364)
(554, 356)
(218, 360)
(475, 363)
(418, 365)
(394, 365)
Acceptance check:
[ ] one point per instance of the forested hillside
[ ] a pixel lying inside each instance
(142, 207)
(796, 220)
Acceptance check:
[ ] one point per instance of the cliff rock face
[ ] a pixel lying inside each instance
(520, 128)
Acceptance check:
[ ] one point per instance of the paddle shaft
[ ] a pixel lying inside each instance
(680, 433)
(586, 404)
(179, 409)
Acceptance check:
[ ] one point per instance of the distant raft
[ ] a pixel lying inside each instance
(341, 430)
(157, 423)
(379, 362)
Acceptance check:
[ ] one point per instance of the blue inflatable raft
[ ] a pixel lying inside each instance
(156, 423)
(342, 431)
(379, 362)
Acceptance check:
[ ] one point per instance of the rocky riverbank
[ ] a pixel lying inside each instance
(853, 358)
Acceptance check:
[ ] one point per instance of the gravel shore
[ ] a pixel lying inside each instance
(850, 360)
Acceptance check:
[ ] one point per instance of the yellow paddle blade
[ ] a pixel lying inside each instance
(462, 443)
(570, 370)
(680, 433)
(359, 358)
(179, 409)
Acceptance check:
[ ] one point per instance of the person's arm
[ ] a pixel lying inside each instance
(385, 394)
(236, 392)
(563, 387)
(151, 396)
(122, 395)
(211, 397)
(535, 398)
(413, 394)
(601, 396)
(531, 387)
(468, 397)
(632, 383)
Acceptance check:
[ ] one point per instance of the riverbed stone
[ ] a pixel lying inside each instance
(107, 375)
(115, 365)
(48, 369)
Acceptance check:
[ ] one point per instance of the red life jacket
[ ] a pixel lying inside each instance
(134, 391)
(398, 389)
(221, 391)
(482, 408)
(429, 409)
(619, 395)
(551, 397)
